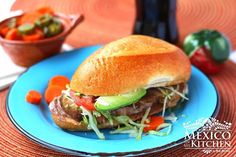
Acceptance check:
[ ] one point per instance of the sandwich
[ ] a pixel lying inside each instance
(122, 84)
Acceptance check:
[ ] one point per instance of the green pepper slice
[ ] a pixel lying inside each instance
(53, 29)
(44, 20)
(26, 28)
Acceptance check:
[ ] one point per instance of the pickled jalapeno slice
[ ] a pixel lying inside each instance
(26, 28)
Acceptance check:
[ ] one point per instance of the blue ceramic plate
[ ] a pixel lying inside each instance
(35, 121)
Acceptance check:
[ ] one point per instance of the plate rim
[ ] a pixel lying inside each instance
(81, 153)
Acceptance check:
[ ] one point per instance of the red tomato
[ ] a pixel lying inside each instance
(155, 121)
(204, 62)
(86, 102)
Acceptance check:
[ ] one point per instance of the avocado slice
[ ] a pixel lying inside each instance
(108, 103)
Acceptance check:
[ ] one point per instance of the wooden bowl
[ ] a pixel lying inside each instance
(27, 53)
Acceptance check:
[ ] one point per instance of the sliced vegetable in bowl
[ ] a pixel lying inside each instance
(33, 26)
(27, 43)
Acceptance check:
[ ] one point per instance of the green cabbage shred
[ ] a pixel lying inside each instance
(161, 133)
(92, 122)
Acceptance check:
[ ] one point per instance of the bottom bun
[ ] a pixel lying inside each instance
(73, 125)
(69, 123)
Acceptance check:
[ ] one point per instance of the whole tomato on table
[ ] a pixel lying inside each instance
(207, 50)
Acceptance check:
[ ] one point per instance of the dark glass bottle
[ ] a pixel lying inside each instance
(157, 18)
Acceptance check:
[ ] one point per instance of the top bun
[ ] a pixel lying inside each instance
(130, 63)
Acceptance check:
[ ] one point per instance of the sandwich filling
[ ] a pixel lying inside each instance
(128, 117)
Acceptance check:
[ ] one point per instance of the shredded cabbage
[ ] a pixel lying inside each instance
(171, 117)
(125, 129)
(92, 122)
(168, 95)
(85, 119)
(140, 131)
(96, 114)
(162, 126)
(161, 133)
(137, 124)
(67, 91)
(123, 120)
(131, 127)
(185, 92)
(127, 121)
(164, 106)
(108, 116)
(177, 92)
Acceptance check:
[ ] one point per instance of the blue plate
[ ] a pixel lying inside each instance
(35, 121)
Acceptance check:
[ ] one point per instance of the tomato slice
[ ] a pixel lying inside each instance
(155, 121)
(86, 102)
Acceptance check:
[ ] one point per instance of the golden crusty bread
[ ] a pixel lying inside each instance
(129, 63)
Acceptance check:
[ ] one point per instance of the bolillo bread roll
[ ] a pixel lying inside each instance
(129, 63)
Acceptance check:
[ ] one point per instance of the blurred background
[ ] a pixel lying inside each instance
(109, 20)
(106, 20)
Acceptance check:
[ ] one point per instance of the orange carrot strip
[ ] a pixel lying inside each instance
(155, 121)
(13, 34)
(33, 97)
(52, 92)
(59, 81)
(4, 31)
(45, 10)
(29, 18)
(36, 35)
